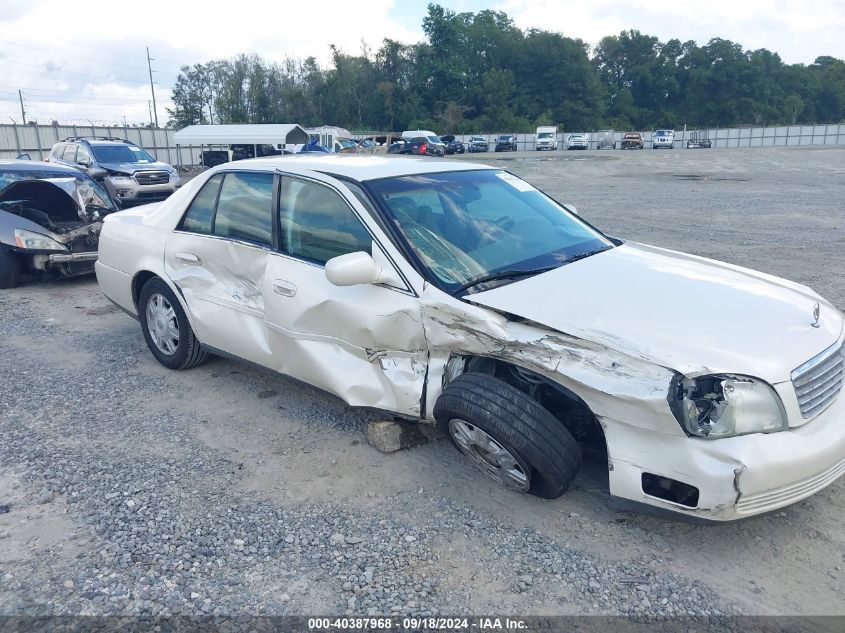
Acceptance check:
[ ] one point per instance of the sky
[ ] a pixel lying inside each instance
(97, 70)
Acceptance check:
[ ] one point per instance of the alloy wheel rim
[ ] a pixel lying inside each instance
(490, 456)
(162, 324)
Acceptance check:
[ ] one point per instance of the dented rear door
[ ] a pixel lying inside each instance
(218, 258)
(363, 343)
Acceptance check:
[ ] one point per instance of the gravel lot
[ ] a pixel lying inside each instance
(224, 490)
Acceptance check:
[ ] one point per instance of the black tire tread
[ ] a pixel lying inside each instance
(195, 354)
(512, 416)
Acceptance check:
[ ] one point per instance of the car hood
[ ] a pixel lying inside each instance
(131, 168)
(686, 313)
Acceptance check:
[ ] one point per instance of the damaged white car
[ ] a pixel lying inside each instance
(50, 220)
(460, 294)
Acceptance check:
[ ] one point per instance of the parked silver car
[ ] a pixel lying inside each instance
(577, 141)
(50, 220)
(128, 172)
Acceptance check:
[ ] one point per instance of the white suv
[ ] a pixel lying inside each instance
(664, 139)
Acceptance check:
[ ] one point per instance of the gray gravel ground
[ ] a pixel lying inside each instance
(223, 490)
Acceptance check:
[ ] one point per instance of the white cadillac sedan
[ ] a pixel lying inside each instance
(459, 294)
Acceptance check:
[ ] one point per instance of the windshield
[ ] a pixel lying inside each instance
(82, 188)
(434, 139)
(505, 138)
(544, 135)
(121, 154)
(664, 133)
(466, 225)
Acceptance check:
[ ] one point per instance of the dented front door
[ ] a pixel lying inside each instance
(363, 343)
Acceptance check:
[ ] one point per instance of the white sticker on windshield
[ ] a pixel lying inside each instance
(513, 181)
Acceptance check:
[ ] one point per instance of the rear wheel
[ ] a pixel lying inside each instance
(508, 435)
(10, 269)
(166, 328)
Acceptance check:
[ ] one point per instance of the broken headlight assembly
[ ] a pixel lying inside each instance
(36, 241)
(725, 405)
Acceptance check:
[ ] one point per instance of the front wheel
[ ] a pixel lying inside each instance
(166, 328)
(508, 435)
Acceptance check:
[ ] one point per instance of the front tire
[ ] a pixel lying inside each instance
(166, 328)
(508, 435)
(10, 269)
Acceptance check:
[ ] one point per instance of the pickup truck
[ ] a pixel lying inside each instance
(632, 140)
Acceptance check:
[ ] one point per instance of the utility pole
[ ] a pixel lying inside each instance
(151, 111)
(23, 112)
(152, 90)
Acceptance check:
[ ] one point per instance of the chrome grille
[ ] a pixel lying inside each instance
(152, 177)
(818, 381)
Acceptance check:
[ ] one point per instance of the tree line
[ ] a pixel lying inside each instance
(479, 72)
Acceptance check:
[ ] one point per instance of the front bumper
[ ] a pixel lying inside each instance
(736, 477)
(128, 190)
(68, 258)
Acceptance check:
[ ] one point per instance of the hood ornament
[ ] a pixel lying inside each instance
(816, 312)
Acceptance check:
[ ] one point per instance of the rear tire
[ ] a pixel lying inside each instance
(531, 450)
(10, 269)
(166, 328)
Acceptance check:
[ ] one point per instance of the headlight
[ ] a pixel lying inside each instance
(120, 180)
(36, 241)
(726, 405)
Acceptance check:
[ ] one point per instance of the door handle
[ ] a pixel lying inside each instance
(284, 288)
(188, 258)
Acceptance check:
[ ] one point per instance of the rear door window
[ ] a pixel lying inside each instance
(245, 207)
(69, 154)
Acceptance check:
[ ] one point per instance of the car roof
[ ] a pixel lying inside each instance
(37, 165)
(353, 166)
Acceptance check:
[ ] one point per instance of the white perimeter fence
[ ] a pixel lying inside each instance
(36, 140)
(833, 134)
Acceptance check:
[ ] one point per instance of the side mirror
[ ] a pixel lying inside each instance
(352, 269)
(570, 208)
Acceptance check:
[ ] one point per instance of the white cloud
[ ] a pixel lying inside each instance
(799, 30)
(112, 62)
